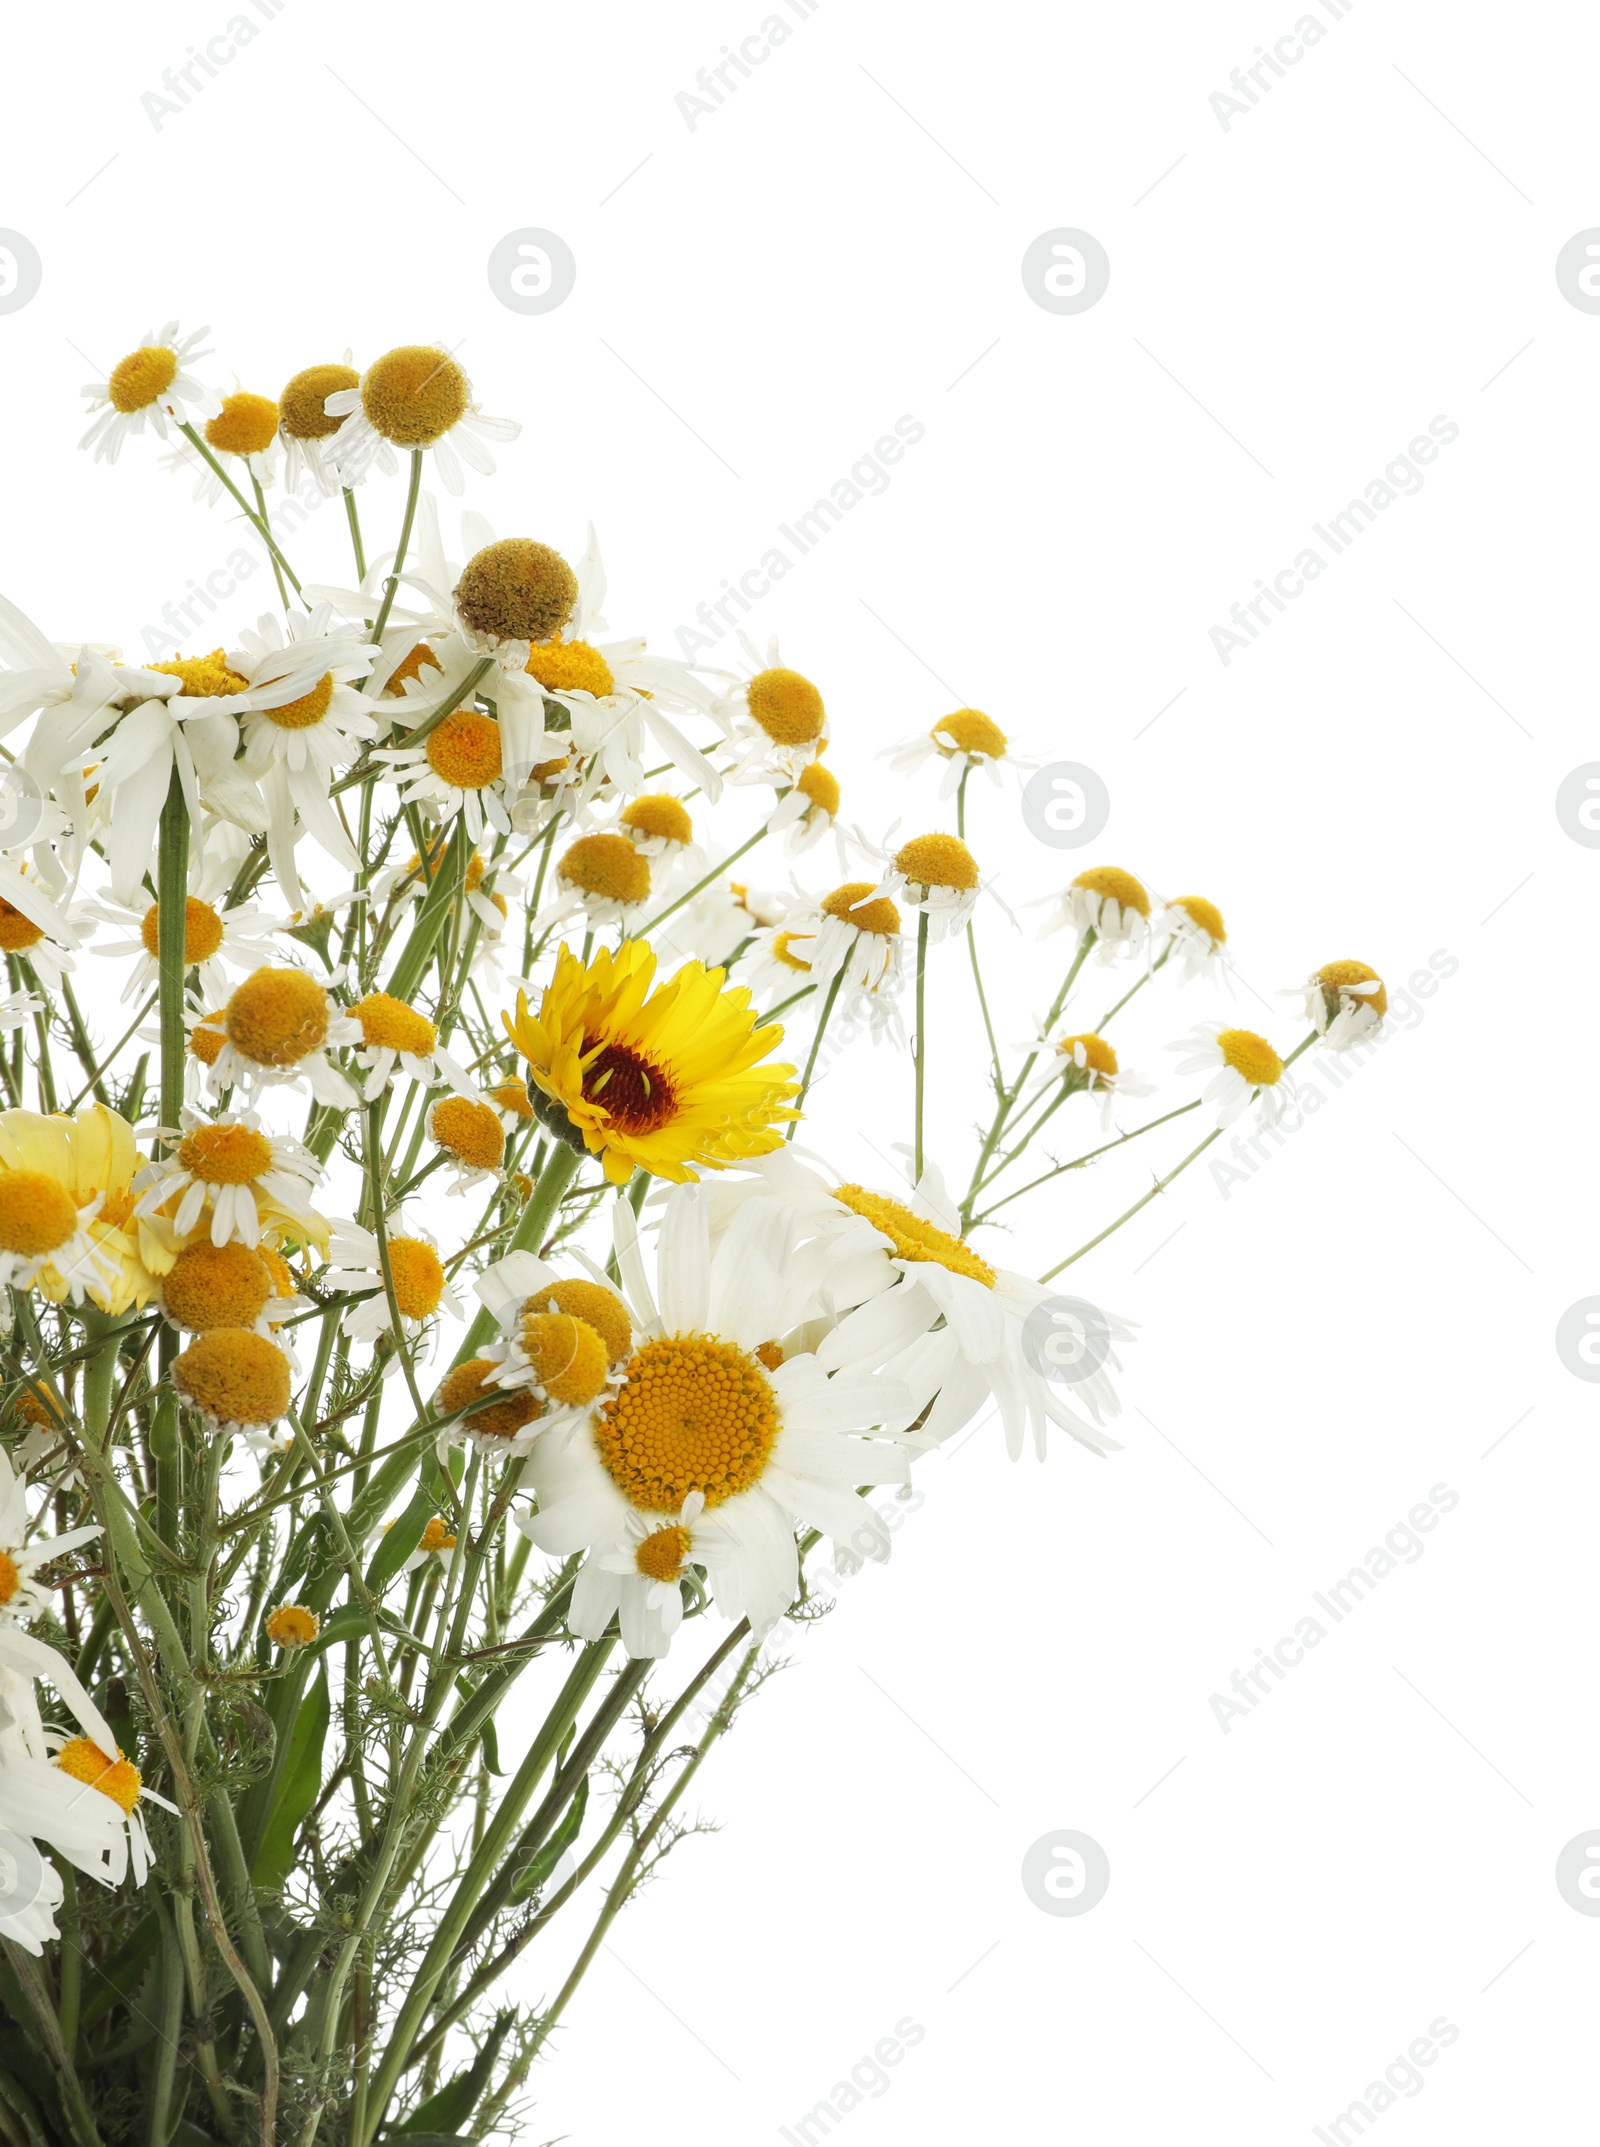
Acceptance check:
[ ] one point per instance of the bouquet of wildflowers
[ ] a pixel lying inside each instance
(432, 1351)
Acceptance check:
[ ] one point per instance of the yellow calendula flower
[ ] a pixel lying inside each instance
(659, 1080)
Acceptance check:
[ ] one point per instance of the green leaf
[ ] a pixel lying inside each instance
(295, 1789)
(350, 1623)
(539, 1866)
(432, 2123)
(115, 1982)
(400, 1540)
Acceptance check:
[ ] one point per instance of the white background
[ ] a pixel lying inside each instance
(1292, 300)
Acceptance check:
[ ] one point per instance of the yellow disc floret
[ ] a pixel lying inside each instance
(491, 1411)
(277, 1017)
(225, 1155)
(570, 667)
(1252, 1056)
(10, 1578)
(1337, 977)
(300, 406)
(213, 1286)
(37, 1216)
(418, 1274)
(969, 730)
(205, 678)
(291, 1625)
(464, 750)
(821, 786)
(782, 950)
(913, 1236)
(436, 1537)
(468, 1130)
(661, 816)
(661, 1554)
(142, 377)
(516, 590)
(937, 861)
(512, 1096)
(414, 395)
(309, 709)
(417, 659)
(388, 1024)
(1204, 914)
(1112, 884)
(568, 1356)
(202, 931)
(245, 425)
(17, 932)
(592, 1302)
(1098, 1055)
(696, 1414)
(787, 707)
(207, 1038)
(119, 1779)
(234, 1377)
(851, 905)
(607, 866)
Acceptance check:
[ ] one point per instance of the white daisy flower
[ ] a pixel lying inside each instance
(715, 924)
(306, 429)
(639, 1579)
(773, 718)
(421, 1288)
(605, 879)
(21, 1596)
(34, 927)
(244, 429)
(149, 386)
(962, 742)
(277, 1029)
(215, 940)
(411, 399)
(471, 1136)
(1344, 1002)
(807, 811)
(1108, 903)
(395, 1040)
(712, 1404)
(934, 874)
(1244, 1069)
(248, 1177)
(1196, 938)
(1089, 1065)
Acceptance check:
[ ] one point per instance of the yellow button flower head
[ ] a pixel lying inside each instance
(495, 1418)
(1196, 934)
(292, 1626)
(413, 397)
(514, 592)
(236, 1380)
(1109, 903)
(150, 386)
(1345, 1001)
(660, 1080)
(245, 425)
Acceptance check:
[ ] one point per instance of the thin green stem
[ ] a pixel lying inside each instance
(921, 1045)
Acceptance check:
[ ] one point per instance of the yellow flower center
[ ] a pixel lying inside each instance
(224, 1155)
(245, 425)
(418, 1277)
(593, 1303)
(207, 1038)
(937, 861)
(464, 750)
(491, 1410)
(418, 658)
(1252, 1056)
(821, 786)
(36, 1214)
(202, 931)
(570, 667)
(969, 730)
(1112, 884)
(880, 916)
(913, 1237)
(512, 1096)
(388, 1024)
(1336, 977)
(469, 1130)
(234, 1377)
(293, 1626)
(475, 872)
(141, 377)
(436, 1537)
(10, 1578)
(277, 1017)
(119, 1779)
(659, 816)
(662, 1553)
(300, 405)
(34, 1411)
(1205, 914)
(310, 709)
(696, 1414)
(280, 1271)
(516, 590)
(768, 1353)
(216, 1286)
(608, 866)
(17, 933)
(787, 707)
(782, 950)
(414, 395)
(1097, 1053)
(568, 1356)
(205, 678)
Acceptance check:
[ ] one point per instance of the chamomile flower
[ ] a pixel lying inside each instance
(109, 1776)
(1087, 1064)
(413, 398)
(855, 931)
(808, 810)
(712, 1404)
(936, 874)
(210, 1287)
(659, 827)
(33, 925)
(470, 1134)
(421, 1289)
(773, 718)
(1244, 1069)
(277, 1027)
(256, 1184)
(396, 1039)
(21, 1596)
(215, 940)
(603, 878)
(1197, 938)
(238, 1382)
(716, 924)
(460, 767)
(306, 427)
(639, 1579)
(962, 742)
(1344, 1002)
(244, 429)
(1109, 904)
(149, 386)
(497, 1424)
(778, 964)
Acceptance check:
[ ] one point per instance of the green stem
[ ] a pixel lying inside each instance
(1008, 1097)
(198, 444)
(644, 930)
(921, 1044)
(816, 1046)
(265, 520)
(392, 582)
(356, 544)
